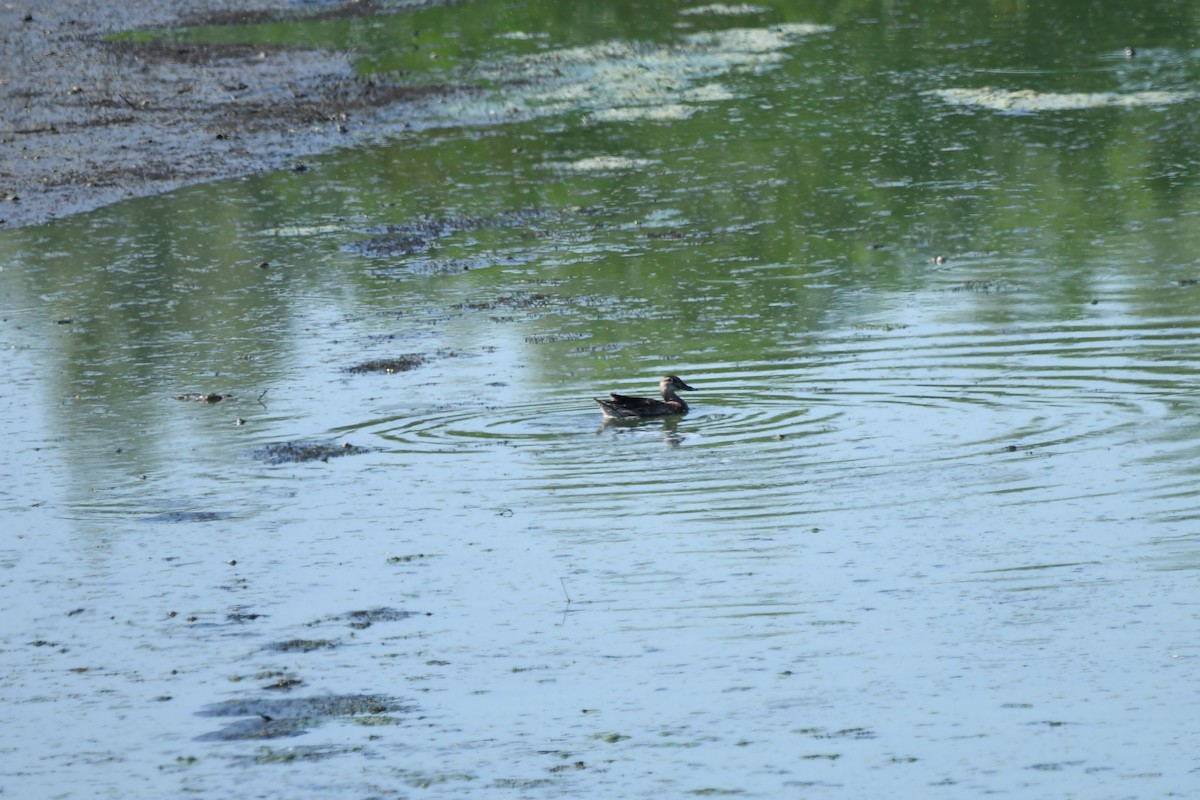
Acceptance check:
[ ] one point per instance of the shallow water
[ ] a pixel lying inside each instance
(932, 521)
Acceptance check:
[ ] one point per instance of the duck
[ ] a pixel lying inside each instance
(620, 406)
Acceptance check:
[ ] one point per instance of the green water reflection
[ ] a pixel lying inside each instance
(791, 168)
(714, 188)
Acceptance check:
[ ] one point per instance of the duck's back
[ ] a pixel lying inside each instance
(624, 406)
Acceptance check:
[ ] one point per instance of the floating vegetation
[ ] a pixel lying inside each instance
(361, 620)
(671, 234)
(575, 765)
(723, 9)
(620, 81)
(601, 163)
(420, 234)
(551, 338)
(421, 780)
(402, 363)
(412, 246)
(266, 755)
(1027, 101)
(409, 558)
(201, 397)
(520, 300)
(667, 112)
(844, 733)
(297, 452)
(887, 327)
(306, 707)
(390, 246)
(271, 718)
(987, 286)
(302, 645)
(376, 721)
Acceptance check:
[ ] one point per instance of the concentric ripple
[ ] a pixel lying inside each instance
(876, 421)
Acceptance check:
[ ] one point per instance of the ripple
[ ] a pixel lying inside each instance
(884, 421)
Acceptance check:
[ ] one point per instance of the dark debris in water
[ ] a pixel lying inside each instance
(298, 452)
(361, 620)
(203, 397)
(267, 755)
(519, 300)
(402, 363)
(844, 733)
(418, 235)
(984, 286)
(408, 559)
(522, 783)
(401, 244)
(302, 645)
(446, 266)
(188, 516)
(272, 718)
(886, 327)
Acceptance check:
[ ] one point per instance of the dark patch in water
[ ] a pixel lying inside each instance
(519, 300)
(200, 397)
(984, 286)
(402, 244)
(551, 338)
(389, 365)
(189, 516)
(272, 718)
(420, 235)
(302, 645)
(361, 620)
(844, 733)
(297, 452)
(409, 558)
(266, 755)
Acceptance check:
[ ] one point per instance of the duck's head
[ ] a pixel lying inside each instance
(673, 383)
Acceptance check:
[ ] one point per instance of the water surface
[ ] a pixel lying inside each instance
(931, 524)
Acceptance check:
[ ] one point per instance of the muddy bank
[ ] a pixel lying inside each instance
(89, 122)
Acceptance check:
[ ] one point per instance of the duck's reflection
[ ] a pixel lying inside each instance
(668, 426)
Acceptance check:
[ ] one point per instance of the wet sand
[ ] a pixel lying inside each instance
(89, 122)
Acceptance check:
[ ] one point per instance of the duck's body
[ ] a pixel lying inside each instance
(620, 406)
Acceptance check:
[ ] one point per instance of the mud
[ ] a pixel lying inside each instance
(88, 121)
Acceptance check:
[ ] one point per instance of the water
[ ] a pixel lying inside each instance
(931, 524)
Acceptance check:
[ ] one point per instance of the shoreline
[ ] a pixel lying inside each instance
(92, 122)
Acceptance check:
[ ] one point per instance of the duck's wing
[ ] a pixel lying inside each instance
(641, 406)
(611, 409)
(619, 405)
